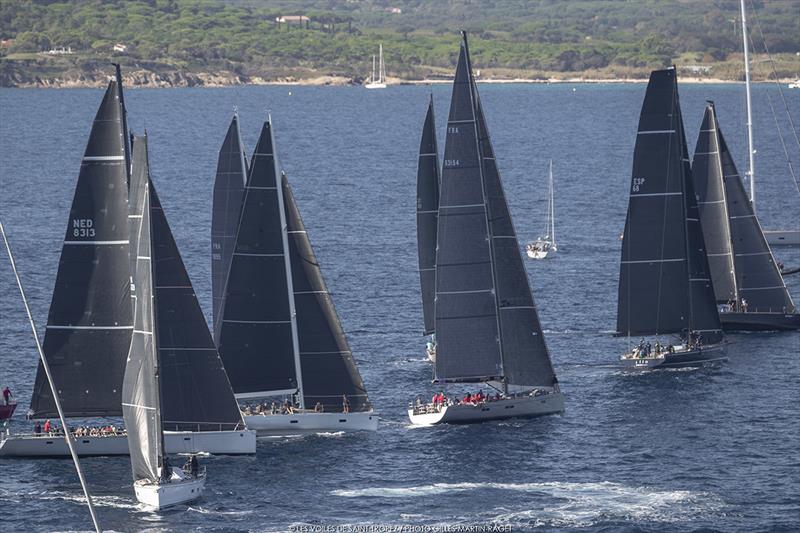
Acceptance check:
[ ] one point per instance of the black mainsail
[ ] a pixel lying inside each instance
(91, 318)
(665, 282)
(328, 369)
(141, 397)
(740, 258)
(487, 327)
(258, 334)
(427, 216)
(228, 188)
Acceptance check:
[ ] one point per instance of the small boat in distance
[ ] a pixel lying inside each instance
(545, 246)
(795, 84)
(164, 310)
(748, 283)
(487, 326)
(665, 283)
(427, 217)
(378, 79)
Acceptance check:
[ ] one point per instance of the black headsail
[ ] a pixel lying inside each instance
(526, 360)
(327, 366)
(257, 335)
(740, 257)
(141, 399)
(665, 283)
(467, 324)
(427, 216)
(228, 188)
(91, 318)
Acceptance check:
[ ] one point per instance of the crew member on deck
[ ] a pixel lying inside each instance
(345, 404)
(7, 395)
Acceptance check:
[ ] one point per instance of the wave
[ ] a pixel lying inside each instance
(568, 504)
(115, 502)
(219, 513)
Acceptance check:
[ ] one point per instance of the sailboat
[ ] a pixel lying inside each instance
(227, 204)
(665, 284)
(545, 246)
(166, 314)
(90, 322)
(487, 327)
(790, 236)
(281, 340)
(427, 216)
(748, 284)
(378, 79)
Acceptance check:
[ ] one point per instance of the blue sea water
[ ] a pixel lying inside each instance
(688, 450)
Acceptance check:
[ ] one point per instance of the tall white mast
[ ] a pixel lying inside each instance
(373, 70)
(381, 67)
(751, 151)
(552, 207)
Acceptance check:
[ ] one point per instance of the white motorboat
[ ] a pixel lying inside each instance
(181, 487)
(545, 246)
(795, 84)
(241, 442)
(378, 79)
(305, 423)
(539, 402)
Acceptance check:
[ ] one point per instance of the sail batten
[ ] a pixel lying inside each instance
(91, 313)
(427, 217)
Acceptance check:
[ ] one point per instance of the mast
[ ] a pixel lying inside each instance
(552, 210)
(288, 268)
(373, 68)
(50, 382)
(381, 64)
(750, 150)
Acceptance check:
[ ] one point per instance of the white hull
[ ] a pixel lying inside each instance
(375, 86)
(783, 236)
(516, 407)
(537, 255)
(175, 492)
(310, 423)
(182, 442)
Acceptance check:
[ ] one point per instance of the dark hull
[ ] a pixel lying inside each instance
(754, 321)
(695, 357)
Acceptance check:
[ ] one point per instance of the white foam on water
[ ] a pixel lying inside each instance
(568, 504)
(330, 434)
(115, 502)
(219, 513)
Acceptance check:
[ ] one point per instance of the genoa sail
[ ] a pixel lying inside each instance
(256, 339)
(140, 388)
(664, 284)
(741, 261)
(427, 216)
(90, 321)
(328, 368)
(228, 189)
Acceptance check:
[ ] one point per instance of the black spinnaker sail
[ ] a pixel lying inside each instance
(327, 366)
(90, 321)
(257, 337)
(740, 258)
(427, 215)
(487, 327)
(227, 206)
(665, 282)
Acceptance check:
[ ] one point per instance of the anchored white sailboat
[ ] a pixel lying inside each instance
(281, 340)
(378, 79)
(545, 245)
(487, 326)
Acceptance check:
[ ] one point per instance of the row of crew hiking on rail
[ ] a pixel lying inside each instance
(292, 407)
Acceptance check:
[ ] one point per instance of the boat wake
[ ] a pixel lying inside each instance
(201, 510)
(110, 501)
(568, 504)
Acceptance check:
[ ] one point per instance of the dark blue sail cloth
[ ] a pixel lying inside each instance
(227, 207)
(328, 368)
(740, 258)
(256, 340)
(90, 321)
(427, 216)
(665, 282)
(487, 327)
